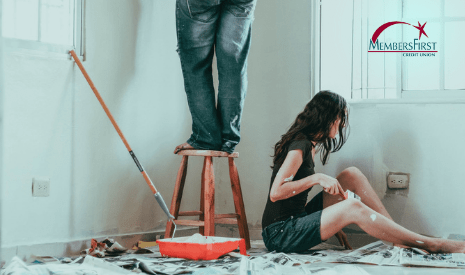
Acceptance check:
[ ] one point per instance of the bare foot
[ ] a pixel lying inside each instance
(457, 246)
(450, 246)
(184, 146)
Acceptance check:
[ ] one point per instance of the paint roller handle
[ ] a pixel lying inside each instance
(163, 206)
(341, 192)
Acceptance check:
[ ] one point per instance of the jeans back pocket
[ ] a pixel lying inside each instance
(242, 8)
(270, 233)
(202, 10)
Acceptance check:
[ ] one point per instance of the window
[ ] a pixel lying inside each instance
(44, 25)
(417, 53)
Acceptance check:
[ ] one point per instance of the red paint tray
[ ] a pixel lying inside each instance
(208, 249)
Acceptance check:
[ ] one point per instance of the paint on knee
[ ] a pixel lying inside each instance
(373, 217)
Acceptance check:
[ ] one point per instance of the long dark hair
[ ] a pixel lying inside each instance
(314, 124)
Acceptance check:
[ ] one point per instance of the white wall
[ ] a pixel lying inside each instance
(279, 88)
(424, 140)
(54, 126)
(1, 124)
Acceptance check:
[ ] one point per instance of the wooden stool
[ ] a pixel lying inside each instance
(207, 217)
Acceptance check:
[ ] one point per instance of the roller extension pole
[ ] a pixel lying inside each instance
(157, 195)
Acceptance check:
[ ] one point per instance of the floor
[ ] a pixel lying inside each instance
(355, 239)
(359, 240)
(394, 270)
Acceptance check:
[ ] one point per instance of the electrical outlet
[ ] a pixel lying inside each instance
(398, 180)
(40, 187)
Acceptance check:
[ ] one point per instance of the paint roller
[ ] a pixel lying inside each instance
(349, 194)
(156, 194)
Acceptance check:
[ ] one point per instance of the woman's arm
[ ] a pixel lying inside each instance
(284, 187)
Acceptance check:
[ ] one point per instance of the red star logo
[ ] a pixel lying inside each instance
(421, 28)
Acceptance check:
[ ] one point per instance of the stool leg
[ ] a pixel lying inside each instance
(202, 197)
(177, 195)
(209, 198)
(239, 202)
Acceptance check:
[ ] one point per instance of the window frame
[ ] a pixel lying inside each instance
(402, 95)
(30, 46)
(442, 92)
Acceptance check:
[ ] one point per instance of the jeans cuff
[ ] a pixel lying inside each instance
(195, 145)
(228, 147)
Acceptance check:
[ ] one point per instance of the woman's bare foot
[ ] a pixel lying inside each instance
(184, 146)
(452, 246)
(439, 245)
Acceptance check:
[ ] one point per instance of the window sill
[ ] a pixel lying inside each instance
(27, 53)
(37, 50)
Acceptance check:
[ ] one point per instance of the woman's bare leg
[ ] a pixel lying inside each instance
(337, 216)
(353, 179)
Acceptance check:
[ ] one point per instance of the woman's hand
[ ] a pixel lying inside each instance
(330, 185)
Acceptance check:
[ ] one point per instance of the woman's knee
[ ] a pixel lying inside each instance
(351, 174)
(355, 209)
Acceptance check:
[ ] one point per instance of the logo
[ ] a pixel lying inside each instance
(413, 48)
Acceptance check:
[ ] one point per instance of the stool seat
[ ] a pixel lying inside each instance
(207, 217)
(208, 153)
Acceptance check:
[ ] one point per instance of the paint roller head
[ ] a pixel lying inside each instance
(163, 206)
(349, 194)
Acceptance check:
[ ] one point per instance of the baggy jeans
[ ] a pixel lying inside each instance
(205, 27)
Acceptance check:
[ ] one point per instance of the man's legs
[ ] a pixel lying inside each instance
(196, 24)
(232, 48)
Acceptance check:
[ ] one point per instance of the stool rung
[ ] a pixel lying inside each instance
(198, 213)
(226, 221)
(205, 217)
(219, 218)
(189, 222)
(190, 213)
(222, 216)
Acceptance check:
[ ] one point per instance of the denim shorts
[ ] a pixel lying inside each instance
(297, 233)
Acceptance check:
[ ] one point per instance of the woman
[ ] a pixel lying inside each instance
(291, 225)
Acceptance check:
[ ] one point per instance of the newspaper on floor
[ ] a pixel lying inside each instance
(380, 253)
(90, 265)
(408, 257)
(224, 265)
(271, 263)
(227, 264)
(386, 256)
(377, 253)
(280, 263)
(363, 252)
(325, 256)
